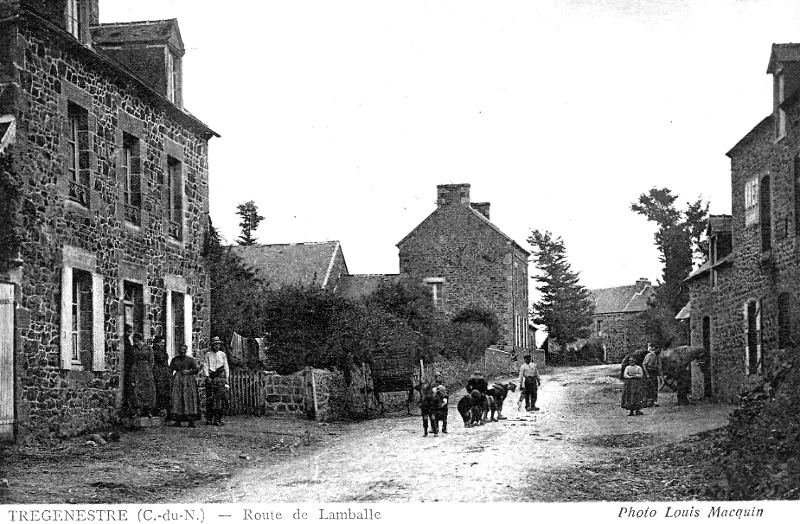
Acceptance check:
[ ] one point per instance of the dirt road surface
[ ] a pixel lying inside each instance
(572, 449)
(388, 460)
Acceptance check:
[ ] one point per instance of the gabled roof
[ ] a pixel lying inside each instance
(685, 312)
(472, 212)
(307, 263)
(622, 299)
(355, 287)
(782, 53)
(146, 32)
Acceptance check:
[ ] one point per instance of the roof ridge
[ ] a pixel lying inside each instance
(136, 22)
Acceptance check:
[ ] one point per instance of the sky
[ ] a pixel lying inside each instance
(340, 118)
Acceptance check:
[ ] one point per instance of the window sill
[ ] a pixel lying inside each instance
(134, 228)
(175, 242)
(766, 256)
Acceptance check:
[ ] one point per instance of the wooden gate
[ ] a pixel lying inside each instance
(6, 361)
(245, 394)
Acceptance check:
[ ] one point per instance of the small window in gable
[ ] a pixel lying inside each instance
(751, 202)
(436, 286)
(780, 113)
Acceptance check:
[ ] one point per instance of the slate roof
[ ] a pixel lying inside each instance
(685, 312)
(782, 53)
(622, 299)
(479, 216)
(147, 32)
(355, 287)
(288, 264)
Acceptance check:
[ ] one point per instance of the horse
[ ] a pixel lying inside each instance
(496, 395)
(470, 407)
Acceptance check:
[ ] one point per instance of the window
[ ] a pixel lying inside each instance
(780, 114)
(82, 340)
(175, 198)
(599, 328)
(78, 159)
(751, 202)
(437, 290)
(766, 218)
(74, 11)
(797, 196)
(133, 302)
(173, 72)
(784, 320)
(753, 337)
(131, 171)
(178, 323)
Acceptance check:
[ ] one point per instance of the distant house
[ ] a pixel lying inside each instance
(468, 261)
(617, 318)
(319, 264)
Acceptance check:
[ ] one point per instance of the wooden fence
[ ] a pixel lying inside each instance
(245, 394)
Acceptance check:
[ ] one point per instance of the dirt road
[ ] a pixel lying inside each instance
(522, 458)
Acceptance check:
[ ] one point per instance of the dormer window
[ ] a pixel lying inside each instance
(74, 11)
(780, 113)
(173, 74)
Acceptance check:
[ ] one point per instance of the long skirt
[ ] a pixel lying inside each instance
(142, 387)
(633, 393)
(162, 378)
(185, 398)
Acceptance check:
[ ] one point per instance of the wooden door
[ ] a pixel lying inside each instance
(6, 361)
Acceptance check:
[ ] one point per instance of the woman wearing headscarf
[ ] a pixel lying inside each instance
(185, 397)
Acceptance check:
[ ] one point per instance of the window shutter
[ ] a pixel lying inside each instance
(170, 326)
(98, 323)
(187, 322)
(66, 317)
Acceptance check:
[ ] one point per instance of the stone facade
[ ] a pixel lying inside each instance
(468, 261)
(92, 256)
(744, 304)
(617, 320)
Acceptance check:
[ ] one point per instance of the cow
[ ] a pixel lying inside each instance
(470, 407)
(495, 395)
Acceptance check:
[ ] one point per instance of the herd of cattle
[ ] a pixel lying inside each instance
(482, 403)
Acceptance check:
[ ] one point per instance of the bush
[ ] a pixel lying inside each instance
(761, 451)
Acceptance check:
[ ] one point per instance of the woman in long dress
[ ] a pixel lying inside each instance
(143, 389)
(635, 389)
(185, 398)
(162, 375)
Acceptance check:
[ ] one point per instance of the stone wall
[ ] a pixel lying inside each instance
(479, 264)
(623, 333)
(52, 71)
(283, 395)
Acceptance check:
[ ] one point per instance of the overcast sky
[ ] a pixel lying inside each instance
(339, 118)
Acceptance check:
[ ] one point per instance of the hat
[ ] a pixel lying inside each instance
(527, 357)
(215, 340)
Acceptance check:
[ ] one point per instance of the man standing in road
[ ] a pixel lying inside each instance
(529, 383)
(215, 368)
(653, 369)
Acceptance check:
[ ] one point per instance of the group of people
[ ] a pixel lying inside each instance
(642, 382)
(483, 401)
(156, 386)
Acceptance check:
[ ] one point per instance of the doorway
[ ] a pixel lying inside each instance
(6, 361)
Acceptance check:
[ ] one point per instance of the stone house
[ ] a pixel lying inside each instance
(310, 263)
(617, 318)
(744, 299)
(468, 261)
(104, 210)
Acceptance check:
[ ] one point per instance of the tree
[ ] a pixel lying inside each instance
(236, 292)
(566, 307)
(250, 220)
(679, 238)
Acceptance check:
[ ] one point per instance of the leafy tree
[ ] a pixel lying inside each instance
(236, 292)
(481, 316)
(565, 307)
(407, 300)
(679, 238)
(250, 220)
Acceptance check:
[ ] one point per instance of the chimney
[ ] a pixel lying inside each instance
(482, 208)
(450, 194)
(94, 12)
